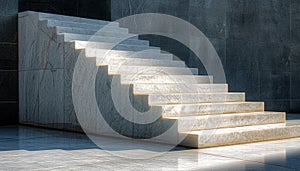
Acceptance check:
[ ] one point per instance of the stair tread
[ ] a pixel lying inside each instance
(151, 51)
(123, 69)
(178, 88)
(172, 77)
(164, 79)
(187, 94)
(93, 42)
(104, 45)
(222, 115)
(238, 129)
(141, 59)
(100, 36)
(104, 39)
(108, 24)
(214, 103)
(127, 61)
(91, 31)
(210, 108)
(49, 15)
(231, 120)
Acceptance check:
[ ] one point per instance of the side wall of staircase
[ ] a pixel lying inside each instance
(45, 71)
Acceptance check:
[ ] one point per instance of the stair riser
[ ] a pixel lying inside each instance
(72, 37)
(134, 70)
(229, 121)
(83, 45)
(214, 140)
(113, 32)
(202, 109)
(137, 62)
(53, 23)
(160, 99)
(150, 54)
(74, 19)
(178, 88)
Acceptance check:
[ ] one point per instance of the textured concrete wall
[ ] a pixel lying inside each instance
(257, 41)
(99, 9)
(262, 45)
(8, 62)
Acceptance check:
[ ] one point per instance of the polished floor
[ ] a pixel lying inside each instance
(28, 148)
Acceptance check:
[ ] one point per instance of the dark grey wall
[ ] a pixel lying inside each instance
(258, 42)
(8, 62)
(98, 9)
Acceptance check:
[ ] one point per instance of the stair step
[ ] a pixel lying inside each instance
(238, 135)
(111, 33)
(100, 45)
(137, 61)
(53, 23)
(82, 37)
(189, 98)
(207, 122)
(150, 70)
(141, 89)
(165, 79)
(74, 19)
(147, 54)
(211, 108)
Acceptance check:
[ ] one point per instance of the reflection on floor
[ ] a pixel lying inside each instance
(27, 148)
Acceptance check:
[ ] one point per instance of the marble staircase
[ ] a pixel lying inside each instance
(205, 113)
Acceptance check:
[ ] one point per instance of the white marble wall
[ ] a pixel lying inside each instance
(45, 66)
